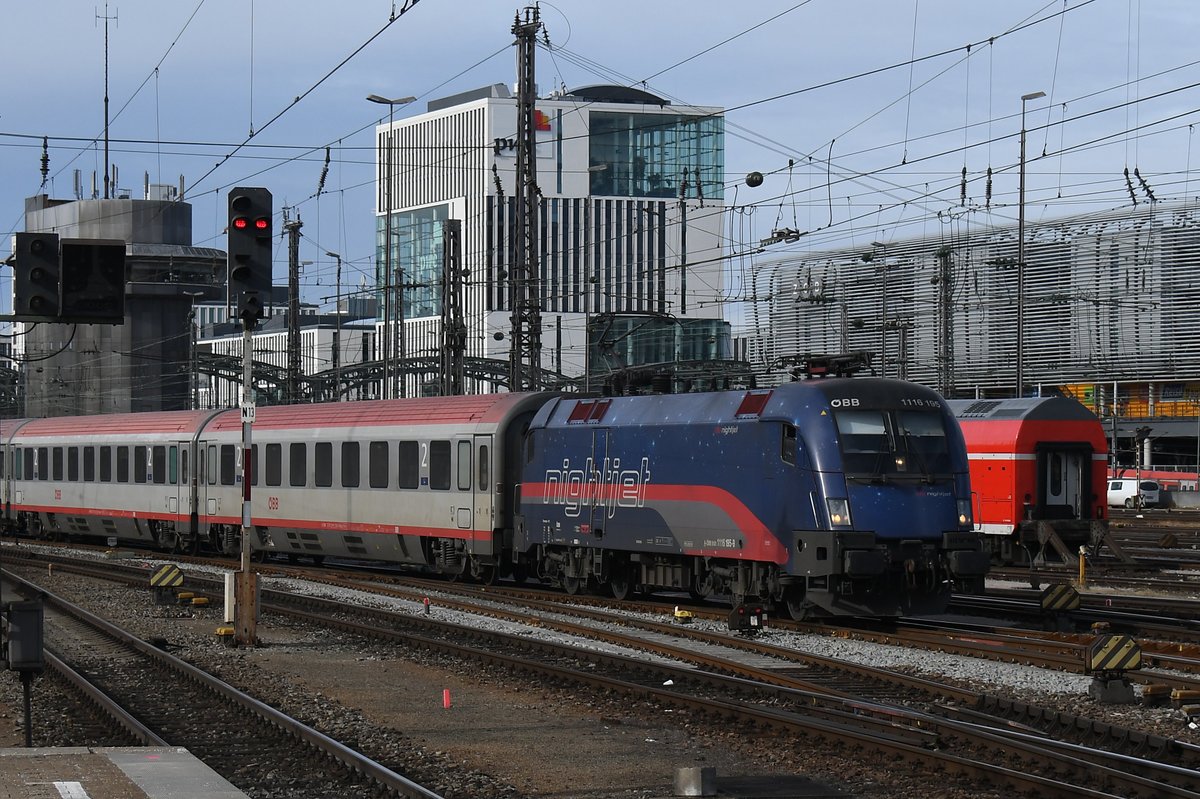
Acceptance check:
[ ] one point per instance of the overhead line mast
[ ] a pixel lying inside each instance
(525, 290)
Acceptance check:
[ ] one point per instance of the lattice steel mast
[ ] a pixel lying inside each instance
(525, 297)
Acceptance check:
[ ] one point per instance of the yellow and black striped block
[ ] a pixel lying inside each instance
(1059, 597)
(169, 576)
(1113, 653)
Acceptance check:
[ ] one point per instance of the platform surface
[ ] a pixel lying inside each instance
(109, 773)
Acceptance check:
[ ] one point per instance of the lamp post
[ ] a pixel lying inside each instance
(193, 376)
(337, 333)
(1021, 253)
(883, 327)
(387, 238)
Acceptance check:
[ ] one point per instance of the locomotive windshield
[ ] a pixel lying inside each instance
(890, 444)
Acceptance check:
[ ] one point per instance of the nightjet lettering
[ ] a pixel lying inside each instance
(605, 489)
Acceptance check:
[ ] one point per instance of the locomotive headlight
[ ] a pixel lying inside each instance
(839, 512)
(964, 512)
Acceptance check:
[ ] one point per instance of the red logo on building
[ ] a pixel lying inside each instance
(541, 121)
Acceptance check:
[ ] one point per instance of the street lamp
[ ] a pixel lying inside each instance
(193, 375)
(883, 328)
(387, 239)
(1021, 253)
(337, 335)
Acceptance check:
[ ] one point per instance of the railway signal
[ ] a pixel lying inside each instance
(92, 281)
(249, 249)
(68, 280)
(35, 277)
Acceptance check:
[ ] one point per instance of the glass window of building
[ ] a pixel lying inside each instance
(416, 260)
(656, 155)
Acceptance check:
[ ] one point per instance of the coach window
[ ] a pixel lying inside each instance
(483, 468)
(789, 444)
(350, 466)
(89, 464)
(43, 463)
(158, 465)
(183, 468)
(464, 466)
(273, 468)
(254, 461)
(439, 465)
(298, 465)
(139, 464)
(122, 464)
(323, 464)
(212, 464)
(377, 467)
(409, 462)
(58, 464)
(106, 464)
(73, 464)
(24, 465)
(173, 465)
(228, 464)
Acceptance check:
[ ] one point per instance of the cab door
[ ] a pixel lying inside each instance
(595, 496)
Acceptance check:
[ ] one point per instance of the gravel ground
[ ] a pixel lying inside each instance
(503, 736)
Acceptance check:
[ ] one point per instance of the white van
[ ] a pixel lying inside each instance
(1122, 492)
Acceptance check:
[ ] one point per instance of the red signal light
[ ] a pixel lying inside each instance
(262, 223)
(241, 223)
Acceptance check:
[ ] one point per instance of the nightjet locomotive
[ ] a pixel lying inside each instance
(823, 497)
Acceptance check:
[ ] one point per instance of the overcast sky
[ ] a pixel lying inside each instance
(877, 105)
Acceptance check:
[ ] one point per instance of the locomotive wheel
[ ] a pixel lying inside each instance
(572, 585)
(793, 602)
(519, 574)
(621, 581)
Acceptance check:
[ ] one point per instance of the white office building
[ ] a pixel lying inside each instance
(630, 222)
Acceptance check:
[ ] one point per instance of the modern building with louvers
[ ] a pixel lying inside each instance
(1111, 311)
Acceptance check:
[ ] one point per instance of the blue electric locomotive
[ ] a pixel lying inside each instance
(826, 497)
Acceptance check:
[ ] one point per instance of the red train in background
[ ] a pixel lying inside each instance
(1038, 476)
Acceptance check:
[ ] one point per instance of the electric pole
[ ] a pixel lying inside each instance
(525, 289)
(454, 330)
(293, 330)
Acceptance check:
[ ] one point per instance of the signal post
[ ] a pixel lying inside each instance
(249, 251)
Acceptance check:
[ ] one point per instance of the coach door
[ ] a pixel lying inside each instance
(179, 474)
(1063, 482)
(481, 493)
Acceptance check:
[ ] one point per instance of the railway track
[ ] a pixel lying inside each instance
(782, 690)
(159, 700)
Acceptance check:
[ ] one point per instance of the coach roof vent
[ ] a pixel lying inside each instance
(752, 404)
(979, 408)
